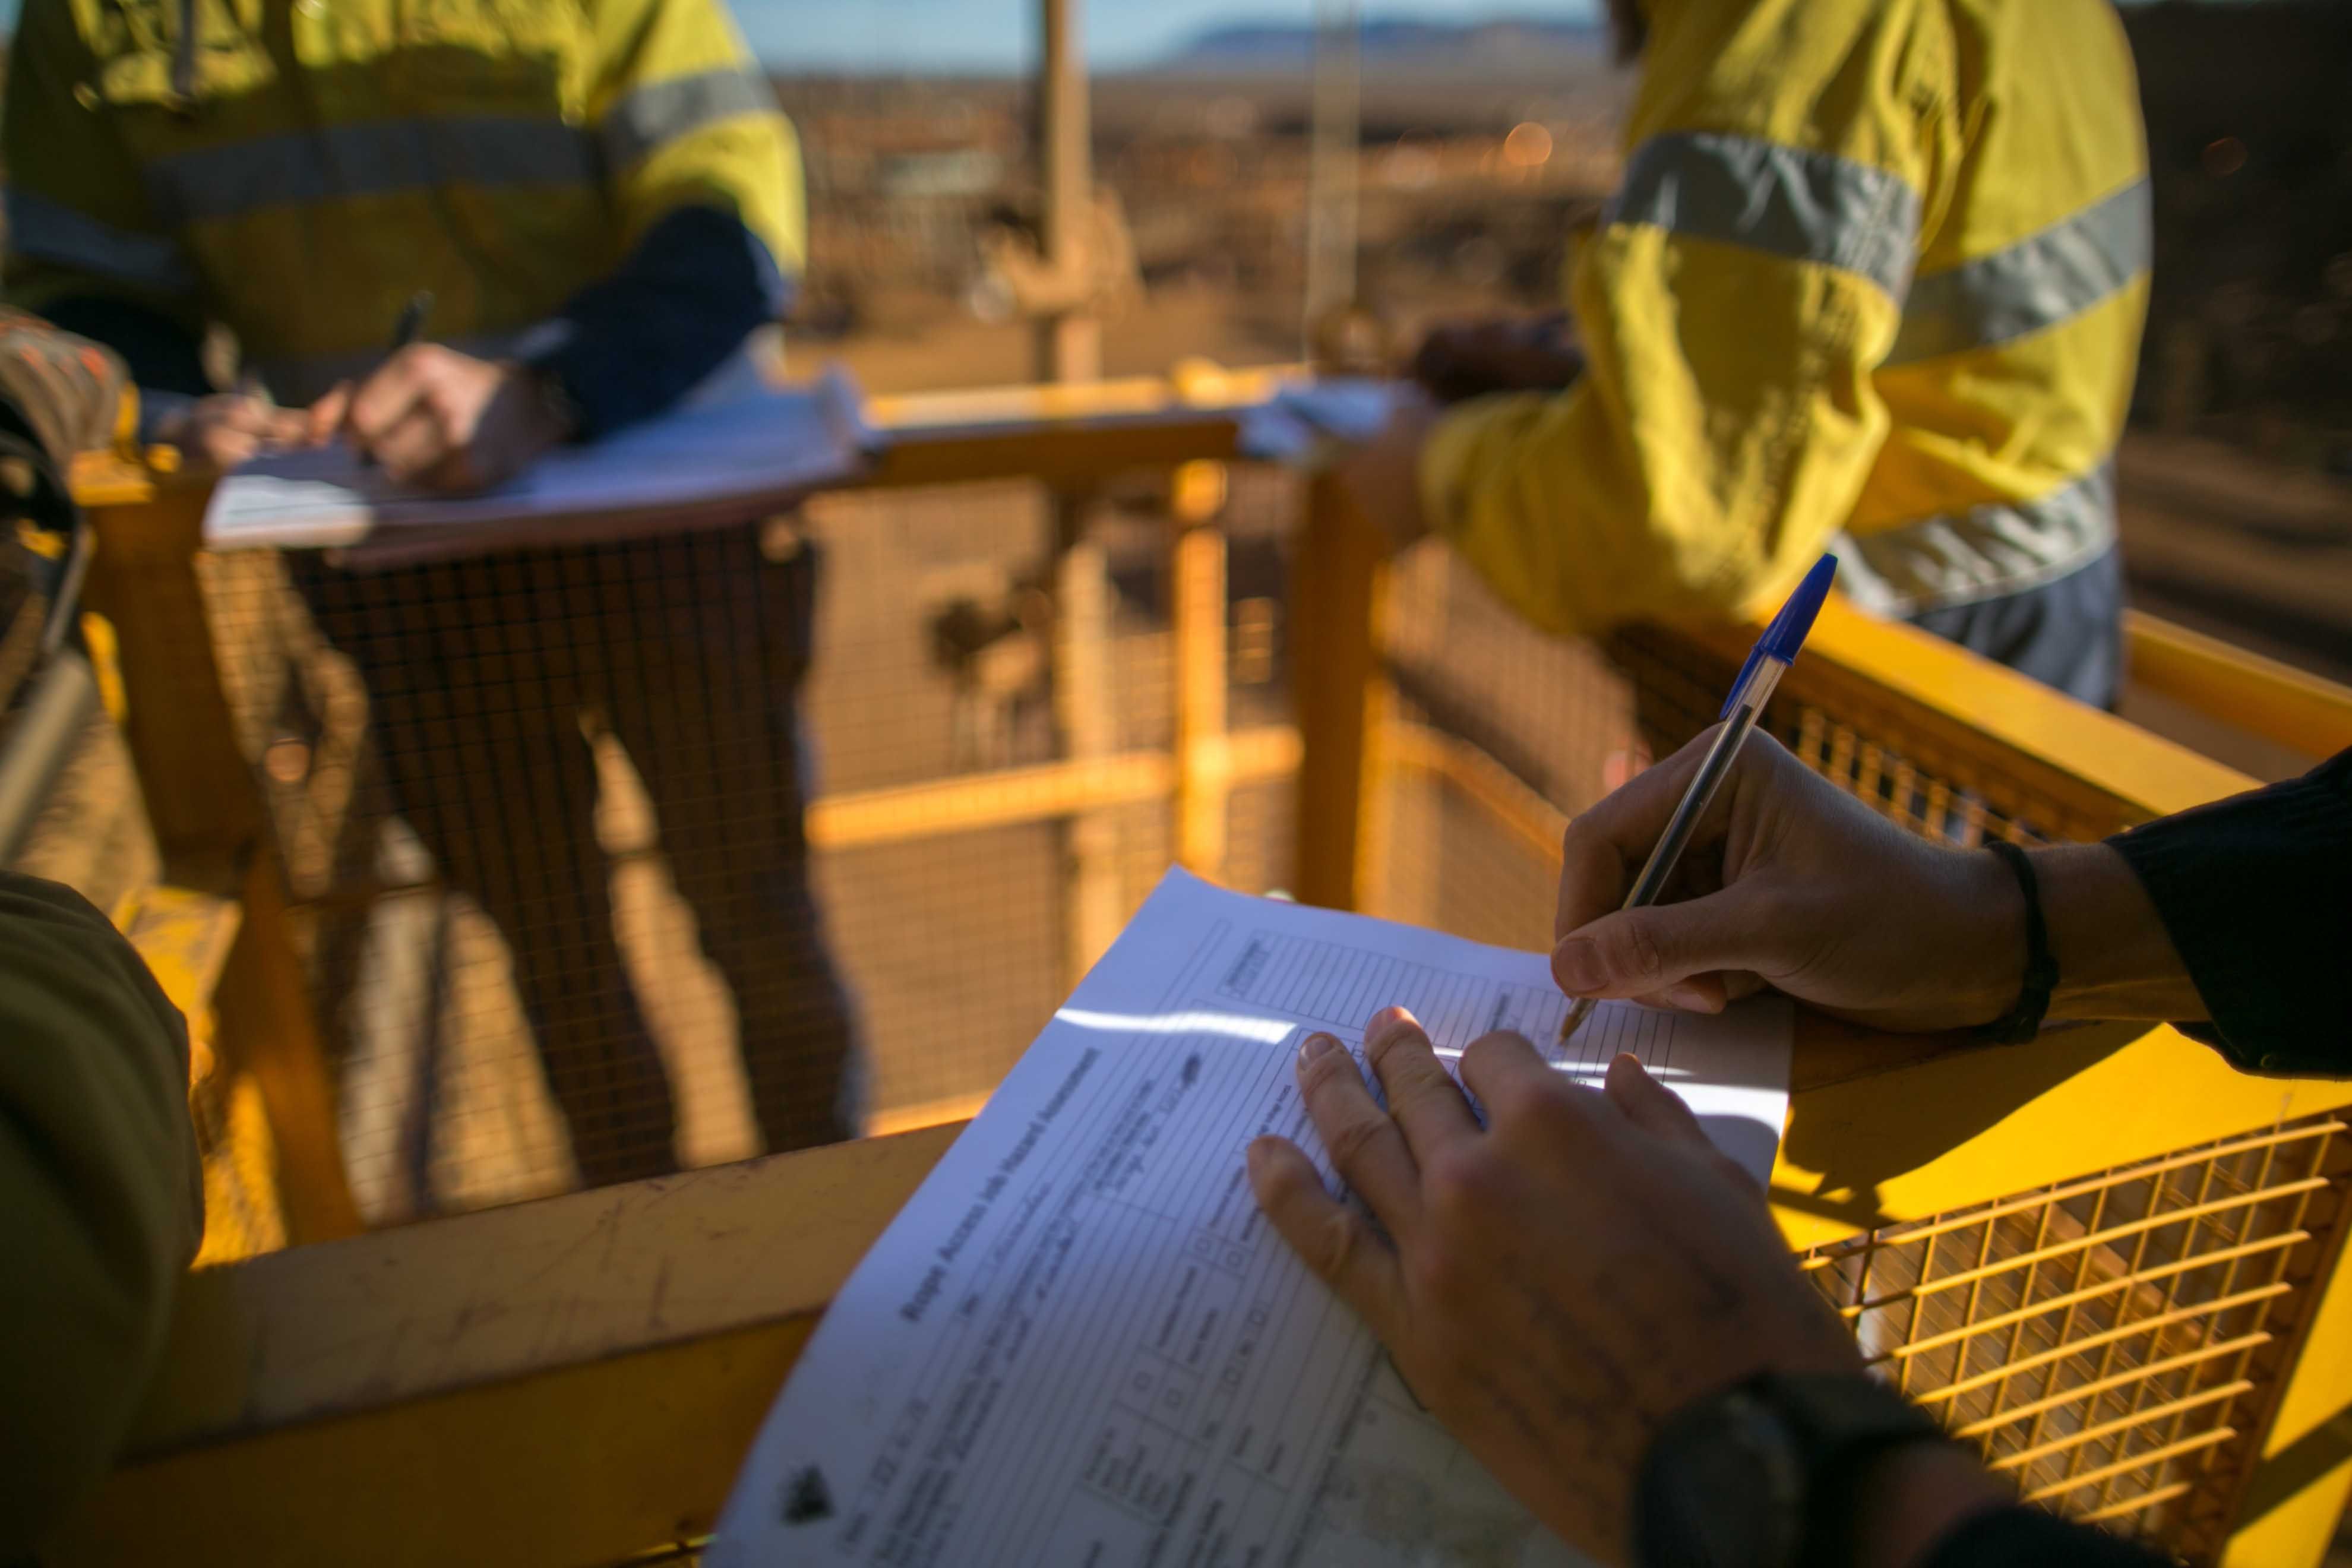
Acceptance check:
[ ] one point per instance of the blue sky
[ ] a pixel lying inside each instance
(998, 35)
(874, 36)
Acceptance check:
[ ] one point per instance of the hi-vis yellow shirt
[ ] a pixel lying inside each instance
(297, 169)
(1874, 282)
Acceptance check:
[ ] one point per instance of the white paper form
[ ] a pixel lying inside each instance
(1080, 1343)
(736, 443)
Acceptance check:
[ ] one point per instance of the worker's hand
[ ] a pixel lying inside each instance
(1383, 475)
(232, 428)
(1555, 1285)
(436, 417)
(1465, 360)
(1791, 882)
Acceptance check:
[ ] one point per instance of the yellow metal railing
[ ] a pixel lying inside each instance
(2242, 690)
(2188, 1386)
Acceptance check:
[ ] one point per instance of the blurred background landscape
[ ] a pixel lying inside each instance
(1482, 143)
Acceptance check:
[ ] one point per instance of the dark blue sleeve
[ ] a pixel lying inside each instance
(166, 358)
(163, 354)
(2256, 893)
(695, 287)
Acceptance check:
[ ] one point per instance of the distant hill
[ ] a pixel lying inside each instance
(1516, 43)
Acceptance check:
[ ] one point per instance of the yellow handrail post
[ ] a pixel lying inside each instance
(1085, 714)
(1336, 573)
(1197, 614)
(211, 823)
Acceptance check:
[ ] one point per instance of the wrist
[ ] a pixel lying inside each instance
(1984, 953)
(1908, 1499)
(1796, 1470)
(552, 413)
(2115, 960)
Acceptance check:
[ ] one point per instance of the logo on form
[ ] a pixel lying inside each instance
(806, 1501)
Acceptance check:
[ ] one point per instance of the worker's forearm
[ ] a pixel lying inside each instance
(2115, 958)
(684, 298)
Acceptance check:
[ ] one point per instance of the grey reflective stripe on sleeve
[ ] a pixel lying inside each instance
(52, 232)
(2040, 281)
(663, 112)
(1783, 201)
(374, 158)
(1980, 553)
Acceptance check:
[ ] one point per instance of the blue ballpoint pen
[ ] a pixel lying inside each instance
(1774, 652)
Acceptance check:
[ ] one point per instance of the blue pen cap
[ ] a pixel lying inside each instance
(1786, 636)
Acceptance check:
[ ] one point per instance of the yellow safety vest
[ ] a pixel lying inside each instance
(1874, 280)
(296, 170)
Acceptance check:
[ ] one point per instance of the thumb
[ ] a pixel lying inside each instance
(1639, 952)
(325, 415)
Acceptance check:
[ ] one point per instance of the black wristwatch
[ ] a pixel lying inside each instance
(1760, 1475)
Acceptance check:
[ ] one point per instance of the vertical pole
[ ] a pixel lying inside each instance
(1332, 169)
(1093, 909)
(210, 822)
(1069, 346)
(1197, 610)
(1337, 569)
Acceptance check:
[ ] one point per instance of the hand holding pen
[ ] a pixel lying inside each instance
(1774, 652)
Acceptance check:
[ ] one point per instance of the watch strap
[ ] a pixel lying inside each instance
(2018, 1536)
(1810, 1437)
(1844, 1422)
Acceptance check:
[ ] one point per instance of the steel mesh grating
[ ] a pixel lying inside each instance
(2112, 1343)
(528, 803)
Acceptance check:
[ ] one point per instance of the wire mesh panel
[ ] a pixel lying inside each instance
(2112, 1344)
(1929, 777)
(544, 812)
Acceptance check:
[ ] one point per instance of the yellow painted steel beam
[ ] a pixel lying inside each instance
(1197, 616)
(2245, 691)
(1040, 793)
(1902, 681)
(2294, 1490)
(1339, 576)
(574, 1380)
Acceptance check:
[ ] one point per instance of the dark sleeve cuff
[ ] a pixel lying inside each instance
(2256, 893)
(697, 285)
(162, 355)
(2027, 1538)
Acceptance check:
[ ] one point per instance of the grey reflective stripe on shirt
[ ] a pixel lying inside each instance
(1783, 201)
(52, 232)
(374, 158)
(1980, 553)
(662, 111)
(2040, 281)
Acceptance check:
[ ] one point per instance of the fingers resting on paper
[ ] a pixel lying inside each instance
(1552, 1283)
